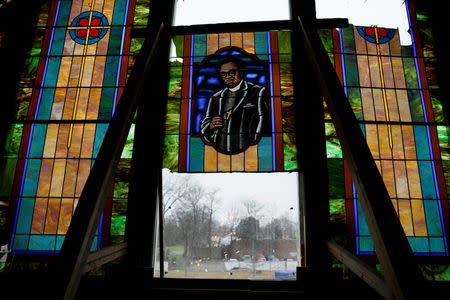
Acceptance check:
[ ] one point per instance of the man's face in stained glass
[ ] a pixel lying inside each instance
(230, 74)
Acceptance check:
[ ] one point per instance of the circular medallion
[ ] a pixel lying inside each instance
(88, 28)
(368, 33)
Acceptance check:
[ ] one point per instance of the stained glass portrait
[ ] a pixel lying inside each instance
(236, 108)
(237, 113)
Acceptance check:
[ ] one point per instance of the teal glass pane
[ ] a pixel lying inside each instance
(351, 70)
(366, 244)
(362, 223)
(45, 104)
(99, 135)
(265, 154)
(20, 242)
(427, 180)
(37, 140)
(422, 146)
(348, 39)
(58, 41)
(199, 47)
(433, 217)
(107, 100)
(31, 178)
(64, 13)
(437, 245)
(25, 216)
(196, 155)
(261, 45)
(42, 242)
(51, 76)
(419, 244)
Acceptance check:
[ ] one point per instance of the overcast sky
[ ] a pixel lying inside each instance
(385, 13)
(279, 192)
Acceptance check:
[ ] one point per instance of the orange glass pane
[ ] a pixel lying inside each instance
(40, 210)
(210, 159)
(404, 212)
(51, 221)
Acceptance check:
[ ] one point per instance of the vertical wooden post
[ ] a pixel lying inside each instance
(310, 135)
(145, 182)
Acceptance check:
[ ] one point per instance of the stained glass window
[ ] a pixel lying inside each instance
(396, 104)
(76, 74)
(266, 62)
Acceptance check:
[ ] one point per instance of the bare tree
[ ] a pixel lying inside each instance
(174, 189)
(211, 200)
(253, 207)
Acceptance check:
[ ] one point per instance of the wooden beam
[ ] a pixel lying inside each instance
(364, 271)
(145, 180)
(393, 249)
(245, 27)
(310, 137)
(104, 255)
(75, 250)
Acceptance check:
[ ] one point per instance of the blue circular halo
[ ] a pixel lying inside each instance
(95, 34)
(371, 37)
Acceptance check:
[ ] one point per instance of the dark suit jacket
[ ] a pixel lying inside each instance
(249, 118)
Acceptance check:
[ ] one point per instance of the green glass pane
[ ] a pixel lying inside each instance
(178, 41)
(415, 105)
(7, 173)
(23, 98)
(141, 12)
(437, 105)
(326, 35)
(446, 166)
(288, 114)
(13, 140)
(443, 137)
(122, 178)
(118, 224)
(136, 45)
(338, 221)
(286, 79)
(284, 46)
(409, 68)
(170, 156)
(175, 79)
(172, 116)
(354, 97)
(290, 152)
(333, 146)
(336, 183)
(128, 148)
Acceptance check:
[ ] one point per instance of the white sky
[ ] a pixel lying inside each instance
(385, 13)
(279, 191)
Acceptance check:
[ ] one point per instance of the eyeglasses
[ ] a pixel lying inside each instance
(230, 73)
